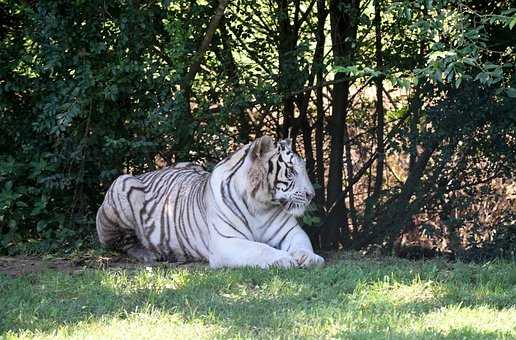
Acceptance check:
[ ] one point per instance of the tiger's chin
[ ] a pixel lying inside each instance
(295, 209)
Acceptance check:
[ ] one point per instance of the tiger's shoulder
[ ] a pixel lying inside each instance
(188, 165)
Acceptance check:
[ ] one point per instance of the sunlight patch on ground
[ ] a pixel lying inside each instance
(151, 325)
(482, 320)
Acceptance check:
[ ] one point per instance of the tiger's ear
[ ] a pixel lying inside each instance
(261, 146)
(285, 143)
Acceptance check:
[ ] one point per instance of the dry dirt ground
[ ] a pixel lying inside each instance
(21, 265)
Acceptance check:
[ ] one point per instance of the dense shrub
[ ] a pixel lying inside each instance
(84, 96)
(93, 89)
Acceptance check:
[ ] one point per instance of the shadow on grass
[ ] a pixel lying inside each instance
(255, 302)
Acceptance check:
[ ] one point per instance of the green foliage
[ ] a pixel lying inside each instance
(90, 90)
(27, 198)
(87, 92)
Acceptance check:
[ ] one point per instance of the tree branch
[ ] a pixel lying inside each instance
(304, 16)
(197, 59)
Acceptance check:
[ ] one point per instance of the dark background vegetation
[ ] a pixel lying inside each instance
(404, 110)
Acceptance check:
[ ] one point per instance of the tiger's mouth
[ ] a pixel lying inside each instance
(294, 207)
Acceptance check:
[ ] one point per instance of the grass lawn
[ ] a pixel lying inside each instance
(353, 297)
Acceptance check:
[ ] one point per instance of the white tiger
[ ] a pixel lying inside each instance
(241, 214)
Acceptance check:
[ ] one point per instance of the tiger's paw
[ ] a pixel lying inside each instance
(284, 261)
(143, 255)
(306, 258)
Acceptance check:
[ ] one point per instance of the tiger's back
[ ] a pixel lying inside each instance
(157, 215)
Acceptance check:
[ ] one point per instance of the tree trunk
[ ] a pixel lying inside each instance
(303, 99)
(287, 64)
(416, 104)
(319, 123)
(380, 117)
(399, 212)
(380, 121)
(349, 177)
(343, 16)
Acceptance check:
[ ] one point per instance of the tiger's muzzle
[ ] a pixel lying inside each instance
(297, 203)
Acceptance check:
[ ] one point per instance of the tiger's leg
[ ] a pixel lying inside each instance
(235, 252)
(109, 231)
(116, 225)
(112, 235)
(297, 244)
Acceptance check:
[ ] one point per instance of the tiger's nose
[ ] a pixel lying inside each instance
(309, 195)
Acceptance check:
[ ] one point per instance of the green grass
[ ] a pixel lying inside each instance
(352, 298)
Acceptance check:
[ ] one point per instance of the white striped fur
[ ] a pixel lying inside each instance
(242, 214)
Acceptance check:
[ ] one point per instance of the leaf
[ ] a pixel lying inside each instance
(12, 224)
(469, 61)
(483, 77)
(512, 23)
(41, 225)
(511, 92)
(458, 81)
(345, 69)
(306, 219)
(22, 204)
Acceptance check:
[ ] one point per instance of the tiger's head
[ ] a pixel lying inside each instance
(277, 176)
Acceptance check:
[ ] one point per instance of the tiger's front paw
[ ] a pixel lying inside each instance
(306, 258)
(143, 255)
(284, 261)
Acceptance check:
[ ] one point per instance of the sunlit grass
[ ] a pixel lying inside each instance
(351, 298)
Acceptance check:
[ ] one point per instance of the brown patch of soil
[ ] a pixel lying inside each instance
(21, 265)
